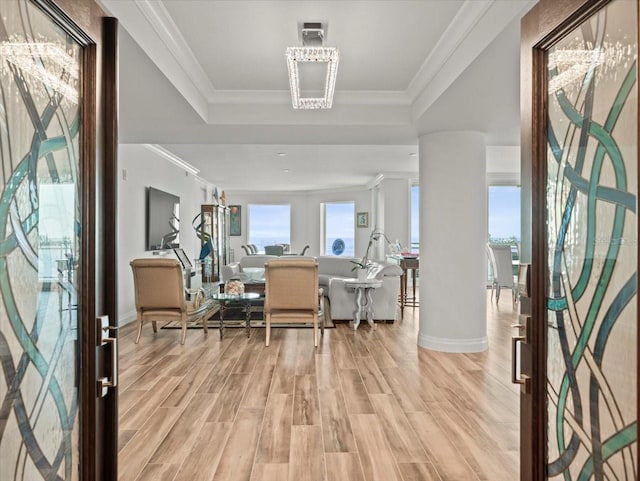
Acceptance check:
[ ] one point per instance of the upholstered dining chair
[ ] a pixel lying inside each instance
(501, 269)
(291, 293)
(160, 296)
(273, 250)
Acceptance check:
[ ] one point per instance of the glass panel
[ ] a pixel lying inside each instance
(592, 249)
(40, 249)
(339, 235)
(269, 225)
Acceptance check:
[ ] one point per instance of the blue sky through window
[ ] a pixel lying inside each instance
(415, 217)
(504, 213)
(269, 224)
(339, 224)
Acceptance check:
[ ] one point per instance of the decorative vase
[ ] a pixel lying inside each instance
(362, 274)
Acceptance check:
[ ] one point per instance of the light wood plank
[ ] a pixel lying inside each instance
(419, 472)
(179, 440)
(228, 401)
(342, 355)
(372, 378)
(402, 439)
(336, 427)
(306, 459)
(259, 385)
(343, 466)
(306, 406)
(270, 472)
(237, 458)
(377, 460)
(327, 372)
(135, 455)
(356, 397)
(159, 472)
(148, 401)
(446, 456)
(276, 430)
(202, 461)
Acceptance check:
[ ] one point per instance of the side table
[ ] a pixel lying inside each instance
(363, 298)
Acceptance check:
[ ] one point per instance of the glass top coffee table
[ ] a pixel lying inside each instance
(244, 300)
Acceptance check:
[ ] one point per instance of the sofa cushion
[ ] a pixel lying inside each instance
(336, 266)
(256, 261)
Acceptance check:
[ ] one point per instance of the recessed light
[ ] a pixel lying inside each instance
(282, 154)
(412, 154)
(286, 171)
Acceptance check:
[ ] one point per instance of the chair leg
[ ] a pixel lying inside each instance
(497, 293)
(155, 326)
(268, 330)
(183, 338)
(205, 324)
(315, 330)
(139, 329)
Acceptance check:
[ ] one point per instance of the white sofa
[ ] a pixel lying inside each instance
(332, 272)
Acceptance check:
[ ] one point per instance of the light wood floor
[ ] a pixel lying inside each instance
(366, 405)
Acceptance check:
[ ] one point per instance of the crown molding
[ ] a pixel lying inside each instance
(157, 15)
(474, 34)
(465, 19)
(273, 97)
(171, 157)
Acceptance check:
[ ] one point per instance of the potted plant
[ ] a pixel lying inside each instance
(363, 265)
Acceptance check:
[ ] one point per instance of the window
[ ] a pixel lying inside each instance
(339, 235)
(504, 214)
(269, 224)
(415, 218)
(504, 217)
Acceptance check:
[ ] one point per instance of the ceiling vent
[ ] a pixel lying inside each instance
(312, 34)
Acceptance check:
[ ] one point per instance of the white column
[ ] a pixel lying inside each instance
(453, 233)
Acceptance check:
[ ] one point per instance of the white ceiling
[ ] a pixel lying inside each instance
(207, 80)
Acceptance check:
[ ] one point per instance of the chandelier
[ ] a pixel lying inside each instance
(312, 33)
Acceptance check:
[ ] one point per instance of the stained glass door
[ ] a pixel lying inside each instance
(580, 408)
(48, 270)
(591, 201)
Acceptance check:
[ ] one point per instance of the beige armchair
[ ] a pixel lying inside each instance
(291, 293)
(160, 296)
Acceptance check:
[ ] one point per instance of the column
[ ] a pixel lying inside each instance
(453, 234)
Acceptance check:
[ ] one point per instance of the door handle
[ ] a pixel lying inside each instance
(104, 382)
(517, 377)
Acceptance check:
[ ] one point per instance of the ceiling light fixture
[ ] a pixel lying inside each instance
(282, 154)
(312, 51)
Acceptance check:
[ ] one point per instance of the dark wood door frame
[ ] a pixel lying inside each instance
(87, 23)
(546, 23)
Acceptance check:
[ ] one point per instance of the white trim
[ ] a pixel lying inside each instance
(127, 318)
(503, 178)
(171, 157)
(467, 17)
(442, 344)
(162, 22)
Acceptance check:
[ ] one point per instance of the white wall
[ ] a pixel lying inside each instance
(146, 169)
(305, 216)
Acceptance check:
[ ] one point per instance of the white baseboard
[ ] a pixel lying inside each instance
(127, 318)
(442, 344)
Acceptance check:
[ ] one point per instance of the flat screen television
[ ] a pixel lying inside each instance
(163, 220)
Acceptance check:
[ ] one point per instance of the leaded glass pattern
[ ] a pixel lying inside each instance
(591, 197)
(40, 120)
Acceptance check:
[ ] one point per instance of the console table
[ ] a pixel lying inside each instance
(364, 302)
(407, 264)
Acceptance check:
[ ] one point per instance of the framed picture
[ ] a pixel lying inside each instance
(235, 220)
(362, 219)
